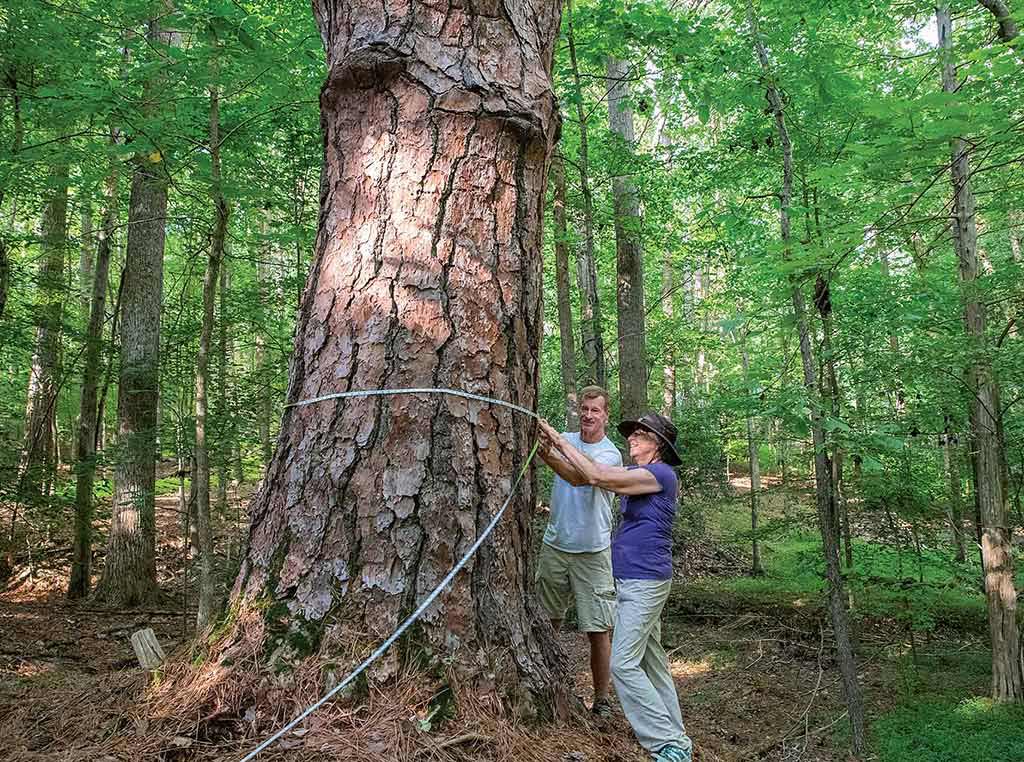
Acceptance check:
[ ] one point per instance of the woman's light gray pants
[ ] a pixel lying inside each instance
(640, 670)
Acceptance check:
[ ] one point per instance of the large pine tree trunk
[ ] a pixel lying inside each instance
(81, 560)
(565, 329)
(822, 470)
(38, 451)
(996, 550)
(129, 576)
(426, 273)
(629, 254)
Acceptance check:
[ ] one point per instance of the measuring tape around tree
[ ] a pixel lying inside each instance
(425, 604)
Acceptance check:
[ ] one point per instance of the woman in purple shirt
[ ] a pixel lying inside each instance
(642, 566)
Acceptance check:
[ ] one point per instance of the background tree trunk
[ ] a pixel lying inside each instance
(668, 392)
(565, 328)
(81, 559)
(204, 524)
(755, 474)
(951, 463)
(38, 452)
(426, 272)
(629, 254)
(591, 323)
(260, 353)
(224, 451)
(129, 577)
(996, 550)
(822, 471)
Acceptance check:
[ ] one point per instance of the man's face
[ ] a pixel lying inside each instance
(593, 419)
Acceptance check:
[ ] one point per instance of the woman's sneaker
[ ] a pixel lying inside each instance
(673, 753)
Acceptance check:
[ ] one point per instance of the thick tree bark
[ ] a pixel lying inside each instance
(129, 576)
(426, 273)
(81, 559)
(822, 471)
(565, 328)
(996, 550)
(38, 451)
(629, 254)
(204, 525)
(591, 322)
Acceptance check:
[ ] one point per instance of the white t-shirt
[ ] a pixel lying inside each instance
(581, 517)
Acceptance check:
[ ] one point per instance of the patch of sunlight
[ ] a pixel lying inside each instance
(975, 707)
(683, 668)
(28, 669)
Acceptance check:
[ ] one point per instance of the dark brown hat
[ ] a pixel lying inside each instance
(662, 428)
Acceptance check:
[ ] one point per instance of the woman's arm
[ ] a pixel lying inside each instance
(624, 481)
(560, 465)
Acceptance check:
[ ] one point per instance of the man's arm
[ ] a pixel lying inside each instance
(560, 465)
(624, 481)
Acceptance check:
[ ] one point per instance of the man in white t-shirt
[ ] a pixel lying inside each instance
(575, 562)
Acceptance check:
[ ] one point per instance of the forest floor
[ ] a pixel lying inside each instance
(752, 658)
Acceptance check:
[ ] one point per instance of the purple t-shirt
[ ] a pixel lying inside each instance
(642, 548)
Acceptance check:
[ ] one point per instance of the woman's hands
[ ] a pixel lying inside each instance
(549, 438)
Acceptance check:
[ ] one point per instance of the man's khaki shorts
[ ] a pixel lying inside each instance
(587, 577)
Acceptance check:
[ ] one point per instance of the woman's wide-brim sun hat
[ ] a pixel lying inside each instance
(662, 428)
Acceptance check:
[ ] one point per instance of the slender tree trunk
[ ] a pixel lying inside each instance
(426, 273)
(38, 451)
(629, 254)
(263, 371)
(951, 462)
(832, 401)
(204, 524)
(129, 577)
(822, 472)
(112, 352)
(591, 323)
(85, 258)
(11, 81)
(565, 329)
(997, 557)
(224, 452)
(668, 393)
(700, 367)
(81, 559)
(755, 474)
(1016, 222)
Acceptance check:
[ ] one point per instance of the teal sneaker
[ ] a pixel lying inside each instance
(673, 753)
